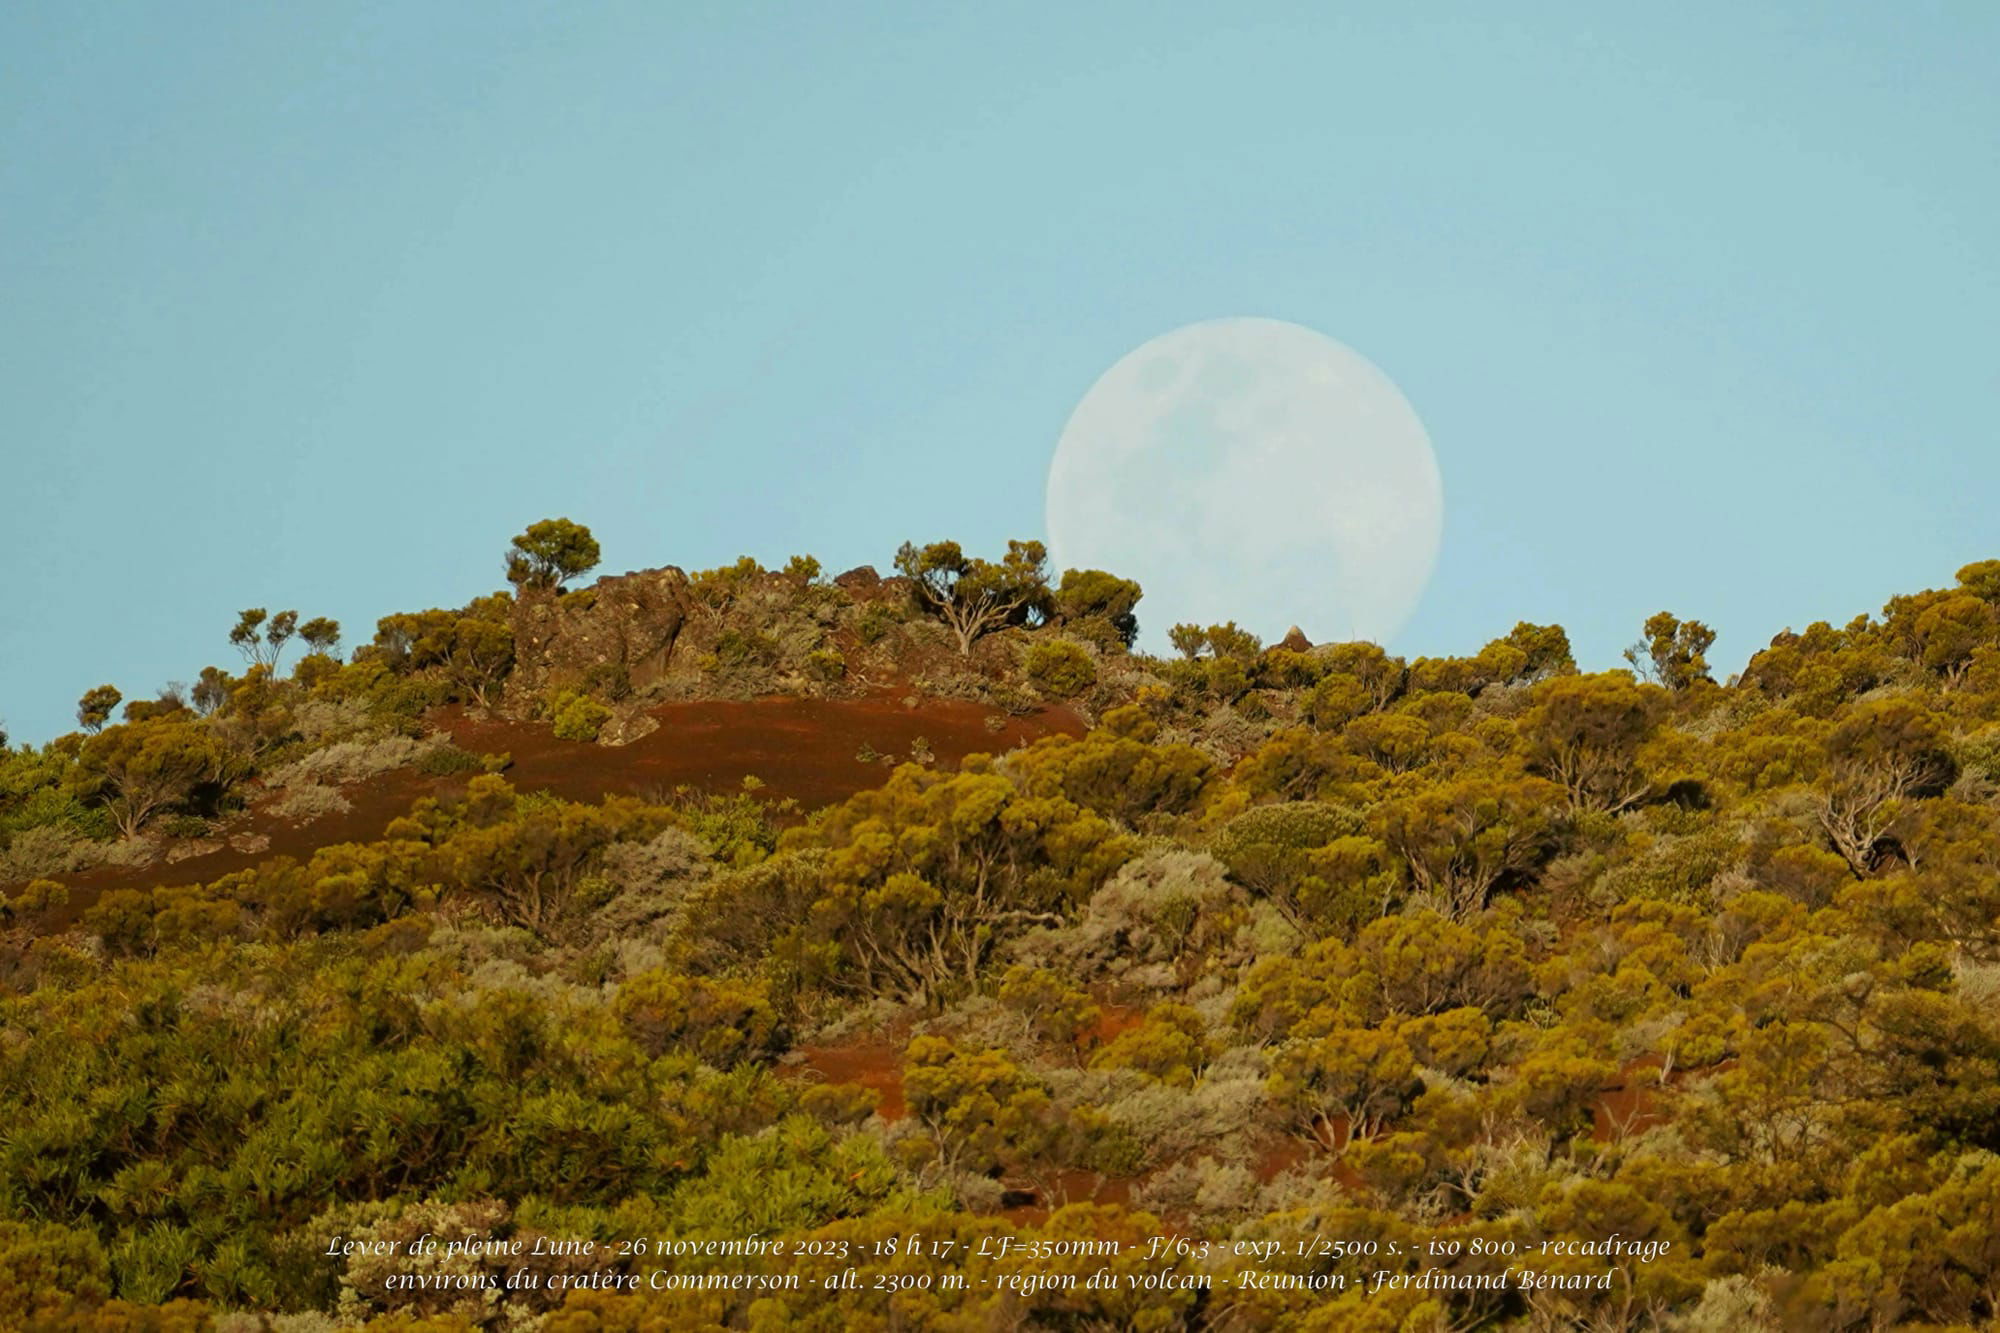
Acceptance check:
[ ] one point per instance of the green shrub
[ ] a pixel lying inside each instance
(445, 760)
(741, 648)
(577, 717)
(877, 622)
(39, 896)
(47, 1269)
(1228, 678)
(1310, 861)
(826, 665)
(1061, 668)
(52, 807)
(184, 826)
(1167, 1046)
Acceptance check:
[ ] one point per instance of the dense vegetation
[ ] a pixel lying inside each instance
(1293, 941)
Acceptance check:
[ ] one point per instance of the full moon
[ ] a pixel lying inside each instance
(1250, 470)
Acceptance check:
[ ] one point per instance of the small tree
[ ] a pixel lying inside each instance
(1099, 605)
(1546, 648)
(1232, 641)
(975, 597)
(94, 709)
(1884, 754)
(321, 634)
(1586, 732)
(551, 553)
(472, 648)
(265, 648)
(1345, 1085)
(1188, 640)
(142, 767)
(1462, 839)
(1672, 651)
(1982, 580)
(211, 692)
(1227, 640)
(1950, 632)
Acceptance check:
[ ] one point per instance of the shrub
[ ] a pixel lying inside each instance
(320, 720)
(719, 1020)
(1098, 606)
(184, 826)
(1058, 1012)
(47, 1269)
(52, 807)
(349, 761)
(1311, 862)
(1207, 1192)
(1167, 1046)
(1060, 668)
(612, 680)
(825, 665)
(718, 588)
(737, 649)
(445, 760)
(1159, 908)
(647, 880)
(39, 896)
(55, 849)
(308, 802)
(577, 717)
(877, 622)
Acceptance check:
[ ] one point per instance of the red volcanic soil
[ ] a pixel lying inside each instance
(803, 749)
(1113, 1022)
(876, 1065)
(1631, 1105)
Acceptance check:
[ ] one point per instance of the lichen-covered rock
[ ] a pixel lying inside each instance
(613, 639)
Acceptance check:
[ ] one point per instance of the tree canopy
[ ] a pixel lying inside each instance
(972, 596)
(551, 553)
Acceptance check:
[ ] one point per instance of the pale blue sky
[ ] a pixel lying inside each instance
(316, 305)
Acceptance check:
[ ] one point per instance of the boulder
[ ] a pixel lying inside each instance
(613, 638)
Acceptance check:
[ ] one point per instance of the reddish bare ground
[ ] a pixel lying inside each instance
(1632, 1104)
(802, 749)
(805, 749)
(876, 1065)
(1113, 1022)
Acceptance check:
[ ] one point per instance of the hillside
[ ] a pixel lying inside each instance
(675, 909)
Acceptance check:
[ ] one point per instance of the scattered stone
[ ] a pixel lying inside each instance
(184, 848)
(627, 726)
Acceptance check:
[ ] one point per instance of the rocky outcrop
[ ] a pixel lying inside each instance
(857, 579)
(1295, 641)
(614, 638)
